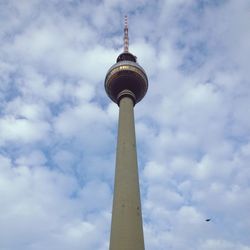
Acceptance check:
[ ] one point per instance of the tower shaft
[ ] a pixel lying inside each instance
(126, 228)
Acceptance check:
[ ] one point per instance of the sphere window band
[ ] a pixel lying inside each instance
(126, 67)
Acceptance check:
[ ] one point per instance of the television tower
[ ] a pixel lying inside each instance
(126, 84)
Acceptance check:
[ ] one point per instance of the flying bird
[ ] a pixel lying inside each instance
(208, 220)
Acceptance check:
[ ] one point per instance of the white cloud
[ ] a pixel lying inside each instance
(223, 245)
(34, 158)
(87, 122)
(38, 210)
(22, 130)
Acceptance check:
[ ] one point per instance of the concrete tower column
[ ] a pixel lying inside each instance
(126, 229)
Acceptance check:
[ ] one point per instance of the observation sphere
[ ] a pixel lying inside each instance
(126, 78)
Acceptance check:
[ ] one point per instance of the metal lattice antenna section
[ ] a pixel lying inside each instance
(125, 39)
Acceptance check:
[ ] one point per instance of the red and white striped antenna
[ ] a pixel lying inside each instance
(125, 39)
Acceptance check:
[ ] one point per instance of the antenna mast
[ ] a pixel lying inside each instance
(125, 39)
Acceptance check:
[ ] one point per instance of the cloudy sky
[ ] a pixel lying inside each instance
(58, 128)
